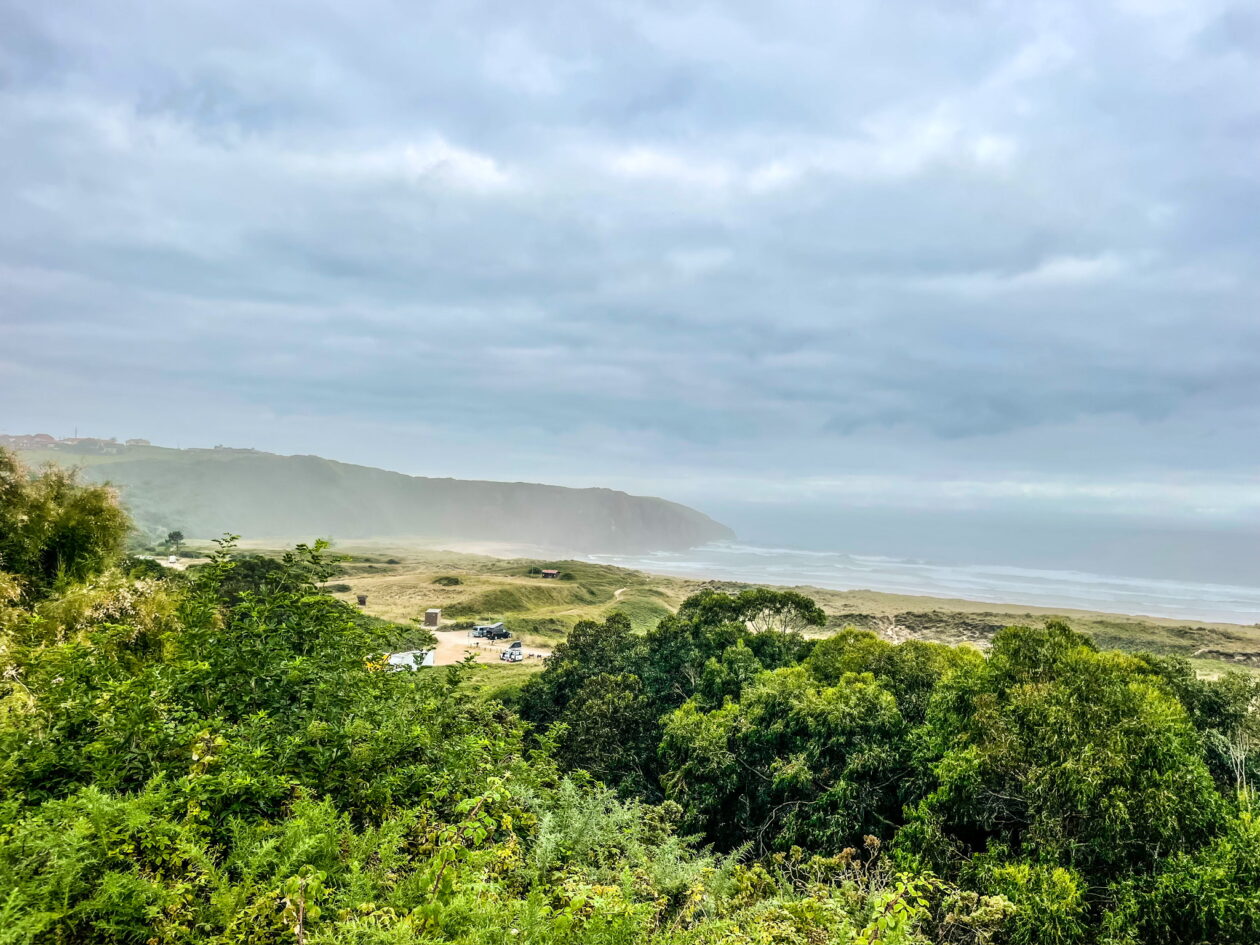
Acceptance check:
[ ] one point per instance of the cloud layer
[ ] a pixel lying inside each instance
(668, 246)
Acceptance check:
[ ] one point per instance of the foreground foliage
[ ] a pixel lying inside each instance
(1106, 797)
(222, 757)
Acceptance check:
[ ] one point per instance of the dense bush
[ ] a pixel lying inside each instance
(222, 757)
(1105, 797)
(55, 531)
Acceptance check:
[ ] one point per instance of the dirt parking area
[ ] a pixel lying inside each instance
(454, 645)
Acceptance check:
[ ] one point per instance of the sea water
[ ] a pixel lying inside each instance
(753, 564)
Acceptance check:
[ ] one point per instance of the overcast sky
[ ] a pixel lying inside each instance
(873, 252)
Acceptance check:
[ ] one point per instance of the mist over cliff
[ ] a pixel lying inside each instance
(263, 495)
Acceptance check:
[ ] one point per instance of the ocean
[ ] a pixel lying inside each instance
(1155, 597)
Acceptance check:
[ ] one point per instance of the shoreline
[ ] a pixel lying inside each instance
(969, 588)
(961, 605)
(438, 552)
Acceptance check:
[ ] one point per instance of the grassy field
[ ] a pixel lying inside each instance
(540, 610)
(399, 584)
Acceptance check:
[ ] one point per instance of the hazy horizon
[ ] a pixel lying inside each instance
(1019, 533)
(817, 273)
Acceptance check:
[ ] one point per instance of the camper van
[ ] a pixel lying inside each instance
(491, 631)
(513, 654)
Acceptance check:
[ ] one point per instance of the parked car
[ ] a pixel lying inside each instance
(497, 633)
(491, 631)
(513, 654)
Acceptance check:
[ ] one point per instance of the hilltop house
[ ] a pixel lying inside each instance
(550, 573)
(92, 444)
(28, 441)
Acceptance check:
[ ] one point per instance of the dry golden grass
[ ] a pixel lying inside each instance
(398, 580)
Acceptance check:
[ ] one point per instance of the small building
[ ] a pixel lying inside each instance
(28, 441)
(432, 616)
(550, 573)
(411, 659)
(92, 444)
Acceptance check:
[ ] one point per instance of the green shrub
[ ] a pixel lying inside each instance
(54, 529)
(1211, 895)
(145, 568)
(1050, 902)
(542, 626)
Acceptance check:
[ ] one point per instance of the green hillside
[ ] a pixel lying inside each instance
(207, 492)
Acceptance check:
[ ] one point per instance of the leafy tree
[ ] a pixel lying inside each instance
(142, 568)
(727, 676)
(672, 663)
(1051, 902)
(592, 649)
(1209, 895)
(759, 608)
(849, 651)
(1060, 753)
(678, 649)
(790, 762)
(54, 529)
(675, 654)
(174, 541)
(610, 730)
(910, 670)
(1225, 712)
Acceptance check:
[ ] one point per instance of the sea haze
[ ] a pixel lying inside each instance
(1170, 546)
(1162, 569)
(753, 564)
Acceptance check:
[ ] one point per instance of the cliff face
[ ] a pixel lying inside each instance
(207, 492)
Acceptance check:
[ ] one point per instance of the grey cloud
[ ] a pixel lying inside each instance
(566, 239)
